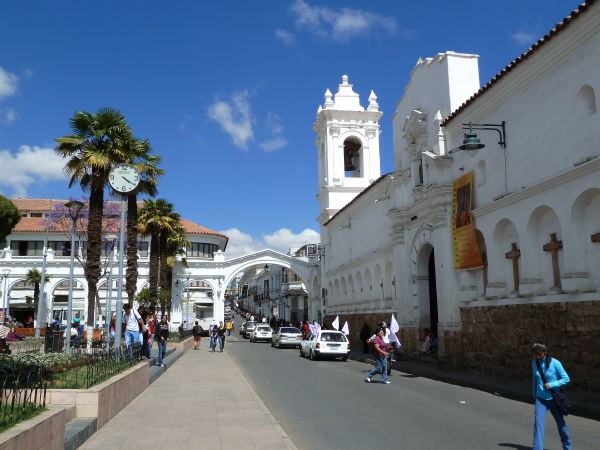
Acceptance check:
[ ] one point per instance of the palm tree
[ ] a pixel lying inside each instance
(34, 276)
(147, 166)
(157, 219)
(98, 142)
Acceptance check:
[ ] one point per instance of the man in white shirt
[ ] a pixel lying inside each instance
(132, 321)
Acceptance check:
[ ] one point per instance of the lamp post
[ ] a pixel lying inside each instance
(112, 238)
(6, 273)
(41, 301)
(187, 312)
(74, 207)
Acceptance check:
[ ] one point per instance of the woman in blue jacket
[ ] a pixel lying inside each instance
(555, 378)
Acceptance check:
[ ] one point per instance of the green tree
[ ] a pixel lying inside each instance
(158, 220)
(147, 166)
(99, 141)
(34, 277)
(9, 217)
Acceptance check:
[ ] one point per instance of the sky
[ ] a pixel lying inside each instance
(227, 91)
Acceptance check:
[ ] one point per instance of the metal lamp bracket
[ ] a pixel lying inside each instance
(498, 127)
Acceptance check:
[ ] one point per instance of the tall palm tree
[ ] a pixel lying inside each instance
(147, 166)
(98, 142)
(157, 219)
(34, 277)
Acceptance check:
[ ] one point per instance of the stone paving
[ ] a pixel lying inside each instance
(202, 401)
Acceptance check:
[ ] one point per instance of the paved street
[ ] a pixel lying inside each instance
(327, 405)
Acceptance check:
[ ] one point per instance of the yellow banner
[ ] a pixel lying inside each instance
(466, 251)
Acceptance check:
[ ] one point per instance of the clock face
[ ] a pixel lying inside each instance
(123, 178)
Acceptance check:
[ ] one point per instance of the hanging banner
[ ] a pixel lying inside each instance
(466, 251)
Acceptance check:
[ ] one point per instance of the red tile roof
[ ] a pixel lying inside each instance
(40, 224)
(514, 63)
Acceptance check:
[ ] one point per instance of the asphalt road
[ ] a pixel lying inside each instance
(325, 405)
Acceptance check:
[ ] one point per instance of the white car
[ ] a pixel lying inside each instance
(261, 333)
(287, 337)
(326, 344)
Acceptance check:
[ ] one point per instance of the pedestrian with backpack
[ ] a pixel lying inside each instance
(548, 376)
(197, 333)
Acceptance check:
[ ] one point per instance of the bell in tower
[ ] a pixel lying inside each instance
(351, 155)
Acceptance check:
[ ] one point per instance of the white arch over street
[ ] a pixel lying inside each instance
(219, 273)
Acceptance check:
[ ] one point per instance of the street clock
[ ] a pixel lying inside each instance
(124, 178)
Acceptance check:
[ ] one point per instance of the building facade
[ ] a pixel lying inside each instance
(41, 228)
(532, 203)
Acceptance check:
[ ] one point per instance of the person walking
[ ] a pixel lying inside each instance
(548, 376)
(221, 336)
(132, 322)
(162, 336)
(380, 350)
(152, 322)
(212, 332)
(197, 333)
(229, 327)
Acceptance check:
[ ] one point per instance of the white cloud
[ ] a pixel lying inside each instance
(523, 37)
(285, 36)
(282, 240)
(340, 25)
(275, 129)
(8, 116)
(8, 83)
(271, 145)
(29, 165)
(235, 118)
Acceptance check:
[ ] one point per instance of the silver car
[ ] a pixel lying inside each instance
(287, 337)
(248, 328)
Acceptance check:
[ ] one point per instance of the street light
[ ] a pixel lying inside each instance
(74, 207)
(187, 312)
(112, 238)
(5, 299)
(472, 142)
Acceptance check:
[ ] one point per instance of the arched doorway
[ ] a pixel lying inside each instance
(428, 307)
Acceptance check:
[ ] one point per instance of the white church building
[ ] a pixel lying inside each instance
(492, 241)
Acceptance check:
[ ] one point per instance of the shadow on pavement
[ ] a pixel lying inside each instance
(515, 446)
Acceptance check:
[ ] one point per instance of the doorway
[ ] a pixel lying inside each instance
(428, 304)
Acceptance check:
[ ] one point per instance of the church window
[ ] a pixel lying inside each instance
(587, 100)
(420, 183)
(352, 156)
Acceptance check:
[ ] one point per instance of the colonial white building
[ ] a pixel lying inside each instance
(389, 240)
(198, 287)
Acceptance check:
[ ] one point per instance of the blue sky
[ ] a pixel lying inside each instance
(227, 91)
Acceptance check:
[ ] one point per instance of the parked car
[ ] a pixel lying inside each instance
(326, 344)
(248, 328)
(242, 326)
(261, 333)
(287, 337)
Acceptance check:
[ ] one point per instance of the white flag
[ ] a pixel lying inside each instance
(346, 329)
(336, 323)
(394, 328)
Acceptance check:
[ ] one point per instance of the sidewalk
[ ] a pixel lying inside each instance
(202, 401)
(585, 403)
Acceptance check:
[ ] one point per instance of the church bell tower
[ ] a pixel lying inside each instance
(347, 146)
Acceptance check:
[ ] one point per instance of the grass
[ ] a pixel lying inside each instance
(20, 413)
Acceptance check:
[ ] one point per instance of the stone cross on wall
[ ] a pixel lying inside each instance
(553, 247)
(514, 254)
(596, 238)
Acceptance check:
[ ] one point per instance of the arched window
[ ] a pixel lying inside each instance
(352, 158)
(587, 100)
